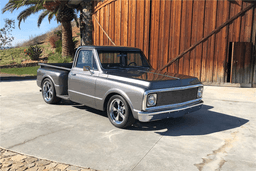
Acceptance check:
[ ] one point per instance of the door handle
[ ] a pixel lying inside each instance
(72, 74)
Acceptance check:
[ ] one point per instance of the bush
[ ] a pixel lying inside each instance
(59, 33)
(57, 58)
(53, 40)
(58, 44)
(34, 52)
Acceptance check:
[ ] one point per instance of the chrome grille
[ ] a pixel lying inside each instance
(178, 96)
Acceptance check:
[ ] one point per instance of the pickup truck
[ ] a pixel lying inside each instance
(120, 81)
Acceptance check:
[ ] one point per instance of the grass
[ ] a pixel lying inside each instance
(32, 71)
(53, 58)
(12, 56)
(16, 55)
(57, 58)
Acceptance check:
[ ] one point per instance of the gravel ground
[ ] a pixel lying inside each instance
(11, 161)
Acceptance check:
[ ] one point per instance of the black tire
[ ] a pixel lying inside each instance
(119, 112)
(48, 92)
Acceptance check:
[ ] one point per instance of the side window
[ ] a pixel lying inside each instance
(86, 58)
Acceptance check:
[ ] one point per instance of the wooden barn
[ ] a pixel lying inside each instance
(213, 40)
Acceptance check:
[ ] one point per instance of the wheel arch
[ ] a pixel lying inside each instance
(49, 77)
(107, 99)
(113, 92)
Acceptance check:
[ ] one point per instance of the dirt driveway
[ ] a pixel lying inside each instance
(221, 136)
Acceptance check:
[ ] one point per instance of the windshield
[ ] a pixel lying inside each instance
(111, 60)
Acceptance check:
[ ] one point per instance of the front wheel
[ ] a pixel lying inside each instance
(119, 112)
(48, 92)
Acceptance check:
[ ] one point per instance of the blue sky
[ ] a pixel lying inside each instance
(27, 29)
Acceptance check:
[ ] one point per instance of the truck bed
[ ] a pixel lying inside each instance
(58, 72)
(62, 66)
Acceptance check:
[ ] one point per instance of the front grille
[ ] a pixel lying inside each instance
(179, 96)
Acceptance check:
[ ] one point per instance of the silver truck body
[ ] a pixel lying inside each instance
(177, 94)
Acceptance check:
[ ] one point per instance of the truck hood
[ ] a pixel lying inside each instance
(155, 79)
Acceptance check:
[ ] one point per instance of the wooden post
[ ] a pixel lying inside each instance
(254, 50)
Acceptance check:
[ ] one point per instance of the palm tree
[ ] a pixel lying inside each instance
(86, 22)
(60, 9)
(86, 25)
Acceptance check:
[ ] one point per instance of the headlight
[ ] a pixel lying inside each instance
(200, 92)
(151, 101)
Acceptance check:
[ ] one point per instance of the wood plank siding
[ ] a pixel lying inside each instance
(163, 29)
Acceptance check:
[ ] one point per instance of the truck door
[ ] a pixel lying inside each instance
(81, 84)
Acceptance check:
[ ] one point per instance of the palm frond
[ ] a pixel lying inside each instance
(10, 6)
(16, 4)
(24, 2)
(52, 13)
(60, 7)
(40, 3)
(50, 16)
(42, 16)
(33, 6)
(27, 12)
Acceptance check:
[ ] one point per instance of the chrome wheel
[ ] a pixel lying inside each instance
(47, 91)
(117, 111)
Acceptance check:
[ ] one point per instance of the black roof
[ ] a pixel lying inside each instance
(111, 48)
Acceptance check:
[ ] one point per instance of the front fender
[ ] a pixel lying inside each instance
(124, 95)
(121, 92)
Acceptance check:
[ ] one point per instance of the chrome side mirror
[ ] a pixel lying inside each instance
(87, 68)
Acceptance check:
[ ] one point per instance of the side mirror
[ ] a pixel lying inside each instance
(87, 68)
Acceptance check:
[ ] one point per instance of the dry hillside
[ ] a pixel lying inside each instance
(44, 39)
(17, 56)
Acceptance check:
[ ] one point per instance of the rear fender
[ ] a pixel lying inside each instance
(48, 76)
(56, 86)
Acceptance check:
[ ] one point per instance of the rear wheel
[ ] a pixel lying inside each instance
(48, 92)
(119, 112)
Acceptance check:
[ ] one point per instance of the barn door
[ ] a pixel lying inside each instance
(241, 63)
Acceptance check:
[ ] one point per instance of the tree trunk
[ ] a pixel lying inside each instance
(67, 42)
(86, 23)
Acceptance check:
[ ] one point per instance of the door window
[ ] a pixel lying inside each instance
(86, 58)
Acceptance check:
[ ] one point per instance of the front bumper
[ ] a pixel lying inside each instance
(169, 113)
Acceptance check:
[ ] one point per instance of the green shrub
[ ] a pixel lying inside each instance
(34, 52)
(13, 55)
(52, 41)
(58, 33)
(74, 41)
(58, 44)
(57, 58)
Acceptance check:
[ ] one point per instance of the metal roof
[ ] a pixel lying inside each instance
(111, 48)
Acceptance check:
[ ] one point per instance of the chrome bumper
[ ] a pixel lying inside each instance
(169, 113)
